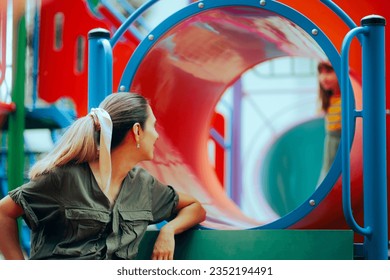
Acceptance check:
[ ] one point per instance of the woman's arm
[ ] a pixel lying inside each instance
(9, 237)
(190, 213)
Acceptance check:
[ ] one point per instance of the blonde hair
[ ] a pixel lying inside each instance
(80, 141)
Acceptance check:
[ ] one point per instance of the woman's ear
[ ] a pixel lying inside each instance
(136, 129)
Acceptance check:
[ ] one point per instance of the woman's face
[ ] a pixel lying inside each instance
(149, 137)
(328, 79)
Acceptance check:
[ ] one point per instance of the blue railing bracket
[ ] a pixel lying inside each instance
(374, 135)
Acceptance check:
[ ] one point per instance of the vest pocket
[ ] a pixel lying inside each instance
(83, 231)
(133, 225)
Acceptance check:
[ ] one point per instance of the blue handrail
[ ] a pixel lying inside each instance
(340, 13)
(121, 17)
(346, 131)
(122, 29)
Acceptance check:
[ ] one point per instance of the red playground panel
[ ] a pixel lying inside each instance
(63, 51)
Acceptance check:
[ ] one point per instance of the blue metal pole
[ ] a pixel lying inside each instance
(99, 66)
(374, 137)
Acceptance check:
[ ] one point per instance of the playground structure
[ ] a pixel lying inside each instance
(191, 73)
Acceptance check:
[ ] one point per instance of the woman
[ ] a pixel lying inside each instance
(78, 207)
(330, 97)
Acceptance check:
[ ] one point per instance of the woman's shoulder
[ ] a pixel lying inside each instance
(140, 174)
(68, 171)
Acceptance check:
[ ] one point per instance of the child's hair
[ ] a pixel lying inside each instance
(324, 95)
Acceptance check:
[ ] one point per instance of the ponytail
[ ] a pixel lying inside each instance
(77, 145)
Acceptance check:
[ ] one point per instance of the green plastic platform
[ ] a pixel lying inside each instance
(257, 245)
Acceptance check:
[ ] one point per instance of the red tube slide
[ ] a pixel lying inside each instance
(190, 66)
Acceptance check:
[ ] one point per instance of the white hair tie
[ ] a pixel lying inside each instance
(102, 121)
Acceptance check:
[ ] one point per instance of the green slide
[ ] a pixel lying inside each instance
(292, 166)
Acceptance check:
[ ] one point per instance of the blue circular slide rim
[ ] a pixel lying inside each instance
(297, 18)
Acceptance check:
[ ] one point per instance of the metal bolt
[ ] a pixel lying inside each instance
(151, 37)
(200, 5)
(312, 202)
(263, 2)
(314, 32)
(122, 88)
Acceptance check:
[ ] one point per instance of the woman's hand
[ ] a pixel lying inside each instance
(189, 213)
(164, 247)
